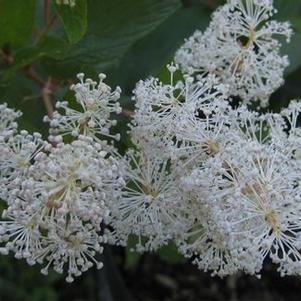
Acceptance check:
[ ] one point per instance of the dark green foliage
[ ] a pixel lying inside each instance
(74, 20)
(16, 21)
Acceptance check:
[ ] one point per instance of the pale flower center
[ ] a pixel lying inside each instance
(271, 219)
(70, 185)
(20, 163)
(148, 190)
(211, 147)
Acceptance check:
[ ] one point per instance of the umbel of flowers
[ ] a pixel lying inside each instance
(57, 196)
(222, 181)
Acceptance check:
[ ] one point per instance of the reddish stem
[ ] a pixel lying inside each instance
(31, 74)
(46, 91)
(45, 86)
(128, 113)
(46, 13)
(6, 58)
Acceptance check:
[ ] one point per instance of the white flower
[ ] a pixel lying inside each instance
(224, 182)
(75, 181)
(197, 138)
(70, 3)
(8, 124)
(97, 104)
(242, 202)
(210, 250)
(16, 158)
(255, 195)
(21, 234)
(149, 203)
(289, 126)
(73, 248)
(161, 107)
(269, 206)
(239, 47)
(56, 214)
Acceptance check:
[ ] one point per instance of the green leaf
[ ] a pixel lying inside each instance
(287, 9)
(16, 21)
(144, 58)
(132, 257)
(292, 49)
(170, 254)
(290, 10)
(115, 25)
(47, 47)
(74, 19)
(18, 281)
(43, 293)
(24, 95)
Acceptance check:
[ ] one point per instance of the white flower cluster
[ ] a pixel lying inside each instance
(239, 47)
(70, 3)
(97, 103)
(223, 182)
(56, 196)
(8, 123)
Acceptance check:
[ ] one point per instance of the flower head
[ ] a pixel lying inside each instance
(149, 203)
(8, 123)
(239, 47)
(96, 104)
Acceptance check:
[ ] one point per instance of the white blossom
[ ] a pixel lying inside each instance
(149, 203)
(16, 158)
(161, 107)
(75, 246)
(8, 124)
(221, 180)
(70, 3)
(57, 213)
(97, 104)
(240, 48)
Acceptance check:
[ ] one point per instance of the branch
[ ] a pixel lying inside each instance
(46, 91)
(45, 86)
(31, 74)
(46, 13)
(128, 113)
(48, 22)
(6, 58)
